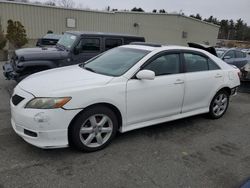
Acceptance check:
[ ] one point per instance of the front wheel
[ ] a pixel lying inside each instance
(94, 129)
(219, 105)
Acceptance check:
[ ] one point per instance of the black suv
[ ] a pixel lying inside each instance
(73, 47)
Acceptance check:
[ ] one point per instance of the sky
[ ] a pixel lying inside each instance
(221, 9)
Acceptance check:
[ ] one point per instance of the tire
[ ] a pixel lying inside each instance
(219, 104)
(93, 129)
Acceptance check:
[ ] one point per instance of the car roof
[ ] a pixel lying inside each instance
(101, 33)
(164, 47)
(52, 36)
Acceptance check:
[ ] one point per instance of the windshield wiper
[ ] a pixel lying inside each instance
(89, 69)
(61, 47)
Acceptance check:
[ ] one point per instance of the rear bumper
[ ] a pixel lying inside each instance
(234, 91)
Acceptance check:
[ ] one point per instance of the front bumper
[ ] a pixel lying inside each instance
(42, 139)
(8, 72)
(42, 128)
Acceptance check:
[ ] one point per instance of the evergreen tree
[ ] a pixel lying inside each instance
(16, 34)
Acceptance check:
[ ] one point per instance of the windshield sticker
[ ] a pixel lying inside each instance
(73, 37)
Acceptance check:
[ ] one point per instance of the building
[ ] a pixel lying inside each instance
(162, 28)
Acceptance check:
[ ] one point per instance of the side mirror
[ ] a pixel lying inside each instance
(145, 75)
(226, 57)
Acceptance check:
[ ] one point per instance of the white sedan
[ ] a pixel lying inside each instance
(126, 88)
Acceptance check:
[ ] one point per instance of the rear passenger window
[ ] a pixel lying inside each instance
(165, 64)
(195, 63)
(212, 65)
(111, 43)
(89, 45)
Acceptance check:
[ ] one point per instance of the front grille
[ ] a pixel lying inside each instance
(16, 99)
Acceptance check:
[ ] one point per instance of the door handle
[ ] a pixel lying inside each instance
(179, 81)
(218, 76)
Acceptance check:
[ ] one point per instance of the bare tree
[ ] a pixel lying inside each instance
(66, 3)
(50, 3)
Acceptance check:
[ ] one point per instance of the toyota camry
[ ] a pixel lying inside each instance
(123, 89)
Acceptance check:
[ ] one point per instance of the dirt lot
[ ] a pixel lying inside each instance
(193, 152)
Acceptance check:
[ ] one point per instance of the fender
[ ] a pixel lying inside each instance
(26, 68)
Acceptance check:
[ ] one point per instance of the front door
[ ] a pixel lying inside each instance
(87, 48)
(158, 98)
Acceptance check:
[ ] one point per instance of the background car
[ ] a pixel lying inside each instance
(246, 50)
(73, 47)
(245, 72)
(233, 56)
(123, 89)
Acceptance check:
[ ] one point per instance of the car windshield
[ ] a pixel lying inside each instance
(67, 40)
(115, 62)
(220, 53)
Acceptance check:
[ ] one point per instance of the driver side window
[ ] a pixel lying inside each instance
(165, 64)
(89, 45)
(230, 54)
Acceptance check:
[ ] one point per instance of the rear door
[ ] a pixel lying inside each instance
(202, 79)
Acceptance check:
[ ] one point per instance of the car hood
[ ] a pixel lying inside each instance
(27, 54)
(207, 48)
(62, 81)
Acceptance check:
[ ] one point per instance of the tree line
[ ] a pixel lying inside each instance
(229, 29)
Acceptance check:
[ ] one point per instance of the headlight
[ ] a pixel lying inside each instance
(47, 103)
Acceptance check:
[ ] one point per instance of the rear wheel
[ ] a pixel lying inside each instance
(219, 104)
(94, 129)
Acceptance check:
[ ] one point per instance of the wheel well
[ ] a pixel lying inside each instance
(227, 89)
(112, 107)
(33, 69)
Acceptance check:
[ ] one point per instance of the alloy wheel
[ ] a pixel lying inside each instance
(96, 130)
(220, 104)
